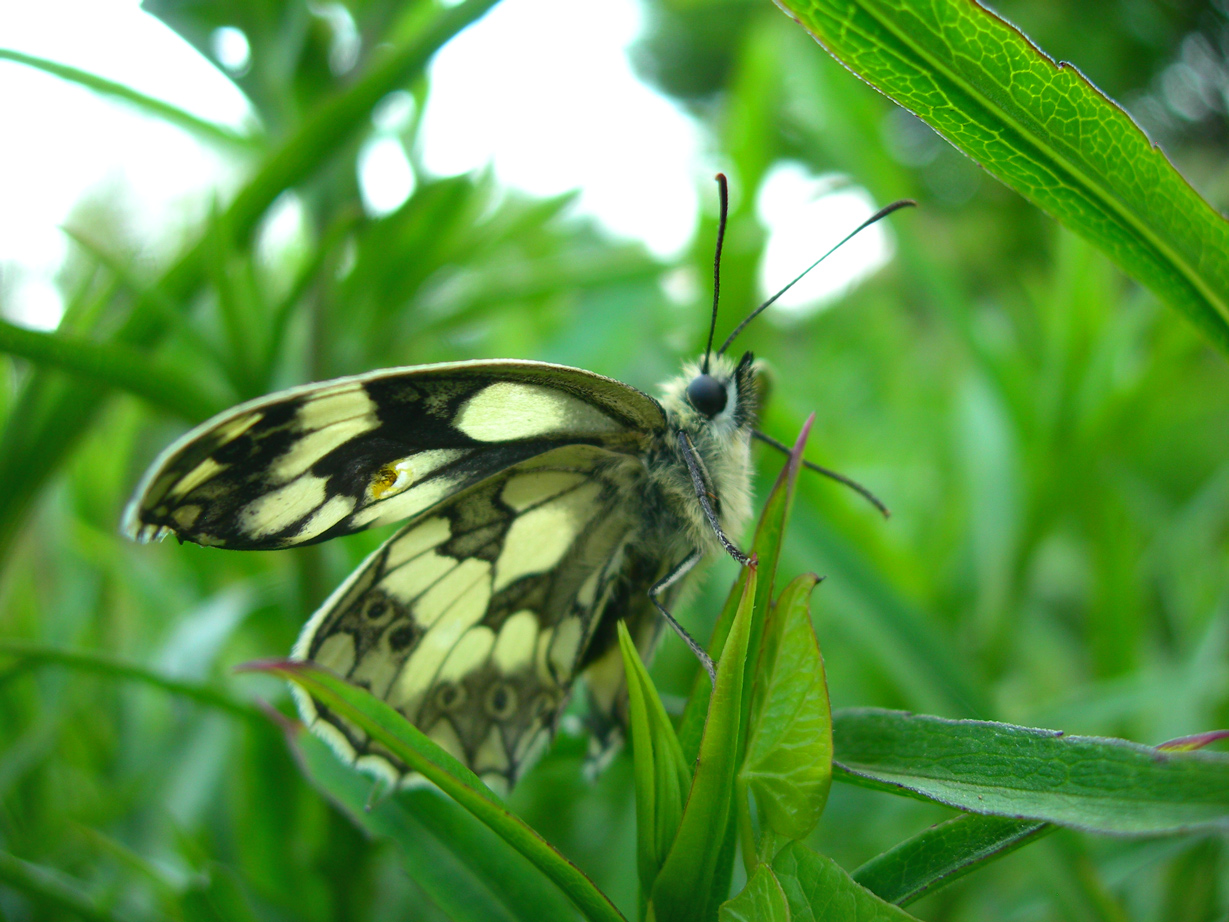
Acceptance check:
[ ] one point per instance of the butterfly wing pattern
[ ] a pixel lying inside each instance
(473, 619)
(519, 481)
(323, 460)
(542, 504)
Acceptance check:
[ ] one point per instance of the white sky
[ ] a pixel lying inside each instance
(497, 98)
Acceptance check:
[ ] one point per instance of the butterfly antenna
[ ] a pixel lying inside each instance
(724, 192)
(877, 216)
(827, 472)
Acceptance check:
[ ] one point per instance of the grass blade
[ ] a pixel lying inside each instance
(49, 890)
(103, 664)
(943, 854)
(662, 776)
(690, 873)
(202, 128)
(409, 745)
(467, 871)
(112, 364)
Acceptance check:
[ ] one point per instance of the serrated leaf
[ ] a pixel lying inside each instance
(410, 746)
(788, 766)
(662, 776)
(819, 890)
(1044, 130)
(685, 888)
(943, 854)
(1100, 785)
(762, 900)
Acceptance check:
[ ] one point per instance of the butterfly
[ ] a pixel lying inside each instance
(542, 505)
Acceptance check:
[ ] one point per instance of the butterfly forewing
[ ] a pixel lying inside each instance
(473, 619)
(329, 459)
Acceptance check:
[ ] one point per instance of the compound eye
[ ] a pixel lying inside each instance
(707, 395)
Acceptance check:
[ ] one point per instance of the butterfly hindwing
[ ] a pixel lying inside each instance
(474, 619)
(329, 459)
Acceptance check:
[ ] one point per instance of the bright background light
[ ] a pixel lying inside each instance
(806, 215)
(544, 96)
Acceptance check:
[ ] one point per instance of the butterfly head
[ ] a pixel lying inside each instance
(721, 400)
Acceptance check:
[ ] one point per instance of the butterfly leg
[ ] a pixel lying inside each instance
(697, 480)
(661, 586)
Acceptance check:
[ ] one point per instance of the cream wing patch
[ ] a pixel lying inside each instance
(508, 410)
(472, 619)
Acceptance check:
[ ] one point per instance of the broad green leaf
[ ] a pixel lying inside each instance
(408, 744)
(1042, 129)
(662, 776)
(689, 877)
(1100, 785)
(788, 766)
(466, 870)
(819, 890)
(762, 900)
(943, 854)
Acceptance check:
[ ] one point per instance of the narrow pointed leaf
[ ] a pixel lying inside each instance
(467, 871)
(52, 891)
(111, 364)
(1100, 785)
(662, 776)
(684, 888)
(202, 128)
(769, 532)
(1042, 129)
(788, 766)
(943, 854)
(113, 667)
(53, 416)
(408, 744)
(762, 900)
(819, 890)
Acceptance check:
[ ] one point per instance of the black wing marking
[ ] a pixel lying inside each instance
(328, 459)
(475, 618)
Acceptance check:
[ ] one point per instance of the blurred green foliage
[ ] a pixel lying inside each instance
(1051, 441)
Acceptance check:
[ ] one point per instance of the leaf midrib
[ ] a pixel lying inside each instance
(1109, 201)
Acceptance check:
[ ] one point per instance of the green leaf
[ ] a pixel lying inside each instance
(762, 900)
(767, 550)
(409, 745)
(685, 888)
(819, 890)
(788, 766)
(1042, 129)
(112, 364)
(1100, 785)
(50, 890)
(467, 871)
(49, 416)
(103, 664)
(943, 854)
(662, 776)
(206, 130)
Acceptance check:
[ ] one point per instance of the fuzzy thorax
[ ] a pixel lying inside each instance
(722, 446)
